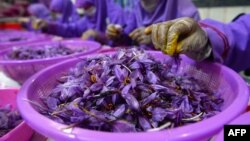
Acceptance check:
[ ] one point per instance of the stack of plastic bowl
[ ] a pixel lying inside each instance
(22, 132)
(21, 70)
(12, 38)
(218, 78)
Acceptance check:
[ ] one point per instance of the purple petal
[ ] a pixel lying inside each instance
(137, 74)
(151, 77)
(86, 93)
(185, 106)
(114, 98)
(123, 126)
(158, 87)
(64, 94)
(133, 82)
(160, 114)
(119, 111)
(121, 54)
(77, 119)
(110, 80)
(96, 87)
(144, 123)
(148, 99)
(99, 101)
(126, 89)
(135, 65)
(3, 121)
(132, 101)
(119, 73)
(74, 105)
(52, 103)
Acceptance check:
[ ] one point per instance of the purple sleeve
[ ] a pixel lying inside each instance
(230, 42)
(115, 13)
(131, 23)
(186, 8)
(67, 30)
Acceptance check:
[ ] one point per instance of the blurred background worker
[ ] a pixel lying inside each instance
(225, 43)
(146, 12)
(63, 11)
(45, 2)
(36, 11)
(92, 25)
(39, 11)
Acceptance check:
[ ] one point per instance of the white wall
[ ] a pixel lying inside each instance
(224, 14)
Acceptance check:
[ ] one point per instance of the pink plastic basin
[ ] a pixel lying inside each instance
(241, 120)
(22, 132)
(21, 70)
(31, 37)
(219, 78)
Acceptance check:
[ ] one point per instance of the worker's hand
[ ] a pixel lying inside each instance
(183, 35)
(114, 31)
(23, 20)
(39, 24)
(140, 37)
(89, 34)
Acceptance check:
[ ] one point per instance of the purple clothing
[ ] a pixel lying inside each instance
(84, 3)
(66, 8)
(165, 10)
(97, 22)
(39, 11)
(230, 42)
(45, 2)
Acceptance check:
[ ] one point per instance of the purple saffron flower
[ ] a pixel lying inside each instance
(129, 91)
(123, 126)
(145, 124)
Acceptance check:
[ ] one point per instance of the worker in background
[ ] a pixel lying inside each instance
(39, 11)
(63, 11)
(145, 13)
(36, 11)
(225, 43)
(92, 26)
(107, 12)
(45, 2)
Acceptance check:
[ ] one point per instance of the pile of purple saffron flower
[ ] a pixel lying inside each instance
(12, 39)
(48, 51)
(9, 119)
(129, 91)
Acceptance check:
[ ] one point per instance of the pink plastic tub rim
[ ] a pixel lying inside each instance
(37, 38)
(198, 131)
(241, 120)
(96, 47)
(24, 129)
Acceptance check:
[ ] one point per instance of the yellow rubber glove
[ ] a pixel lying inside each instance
(114, 31)
(140, 37)
(39, 24)
(89, 34)
(183, 35)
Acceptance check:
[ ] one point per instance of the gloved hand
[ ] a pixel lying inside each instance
(39, 24)
(89, 34)
(23, 20)
(183, 35)
(114, 31)
(140, 37)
